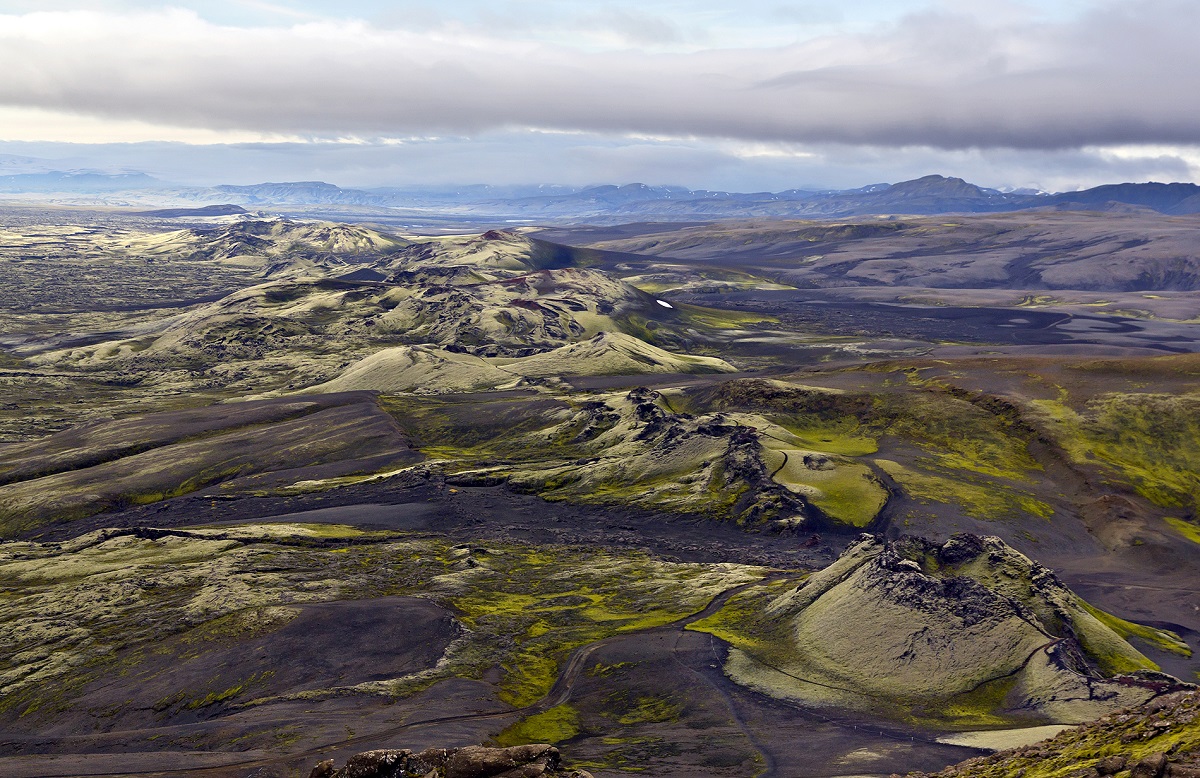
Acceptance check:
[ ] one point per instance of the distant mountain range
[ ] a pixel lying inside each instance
(932, 194)
(83, 182)
(928, 195)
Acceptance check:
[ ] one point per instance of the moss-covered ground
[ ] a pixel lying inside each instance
(938, 441)
(74, 613)
(976, 496)
(1149, 440)
(546, 605)
(1170, 727)
(957, 449)
(1161, 639)
(757, 623)
(746, 623)
(613, 448)
(552, 726)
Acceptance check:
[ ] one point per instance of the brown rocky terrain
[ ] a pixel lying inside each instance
(529, 761)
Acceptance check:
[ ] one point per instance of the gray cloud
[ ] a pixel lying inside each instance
(1123, 73)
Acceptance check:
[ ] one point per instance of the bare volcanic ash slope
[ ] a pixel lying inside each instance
(968, 633)
(1109, 252)
(240, 447)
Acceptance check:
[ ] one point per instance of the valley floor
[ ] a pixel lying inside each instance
(276, 491)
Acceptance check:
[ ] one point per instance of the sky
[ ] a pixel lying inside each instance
(750, 95)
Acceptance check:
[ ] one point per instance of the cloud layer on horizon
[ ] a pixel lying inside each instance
(1119, 73)
(582, 159)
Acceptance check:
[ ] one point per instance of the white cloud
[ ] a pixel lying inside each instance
(37, 124)
(1118, 75)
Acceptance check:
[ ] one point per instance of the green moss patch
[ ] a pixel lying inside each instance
(1151, 441)
(650, 710)
(555, 725)
(1173, 729)
(1185, 528)
(745, 622)
(721, 319)
(845, 437)
(528, 596)
(1162, 639)
(980, 499)
(976, 708)
(527, 607)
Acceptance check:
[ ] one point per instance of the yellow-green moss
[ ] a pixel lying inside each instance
(957, 435)
(744, 622)
(555, 725)
(976, 708)
(721, 319)
(851, 495)
(1159, 638)
(524, 593)
(650, 710)
(844, 437)
(212, 698)
(1185, 528)
(1150, 441)
(527, 607)
(979, 499)
(1076, 750)
(601, 670)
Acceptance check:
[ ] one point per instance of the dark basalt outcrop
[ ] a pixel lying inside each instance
(529, 761)
(742, 469)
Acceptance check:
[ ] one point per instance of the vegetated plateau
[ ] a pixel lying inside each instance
(743, 498)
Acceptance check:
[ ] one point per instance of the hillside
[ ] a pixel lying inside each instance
(490, 296)
(1027, 251)
(426, 370)
(1160, 739)
(932, 194)
(275, 492)
(598, 204)
(969, 632)
(277, 248)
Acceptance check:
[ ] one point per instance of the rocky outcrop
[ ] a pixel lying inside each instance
(634, 449)
(1158, 740)
(531, 761)
(970, 626)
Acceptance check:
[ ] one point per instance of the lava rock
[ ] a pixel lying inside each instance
(530, 761)
(1151, 766)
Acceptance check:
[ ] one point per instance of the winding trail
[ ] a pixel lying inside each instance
(559, 693)
(779, 469)
(768, 758)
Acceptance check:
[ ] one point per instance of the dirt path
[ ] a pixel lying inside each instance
(559, 693)
(768, 758)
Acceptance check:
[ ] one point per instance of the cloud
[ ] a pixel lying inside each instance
(1121, 73)
(632, 28)
(527, 157)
